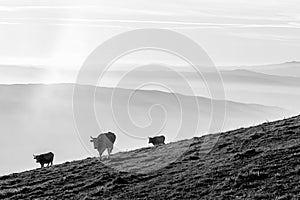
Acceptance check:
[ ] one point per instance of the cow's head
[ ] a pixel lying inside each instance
(36, 157)
(94, 141)
(150, 140)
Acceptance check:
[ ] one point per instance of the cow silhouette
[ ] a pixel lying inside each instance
(104, 141)
(157, 140)
(46, 158)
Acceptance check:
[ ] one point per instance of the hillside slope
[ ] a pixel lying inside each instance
(260, 162)
(43, 113)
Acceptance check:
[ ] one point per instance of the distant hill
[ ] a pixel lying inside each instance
(258, 78)
(14, 74)
(39, 118)
(242, 76)
(241, 85)
(283, 69)
(272, 85)
(259, 162)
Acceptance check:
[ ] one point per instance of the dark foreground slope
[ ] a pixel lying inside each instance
(261, 162)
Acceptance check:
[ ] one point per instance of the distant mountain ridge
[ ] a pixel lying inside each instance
(291, 69)
(255, 77)
(25, 74)
(247, 84)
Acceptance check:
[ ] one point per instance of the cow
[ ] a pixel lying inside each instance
(46, 158)
(104, 141)
(157, 140)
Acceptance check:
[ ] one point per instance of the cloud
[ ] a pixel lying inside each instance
(131, 23)
(266, 36)
(9, 23)
(70, 24)
(167, 14)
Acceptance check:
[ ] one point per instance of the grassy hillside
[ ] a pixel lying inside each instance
(33, 117)
(260, 162)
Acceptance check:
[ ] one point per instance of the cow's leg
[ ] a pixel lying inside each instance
(109, 150)
(42, 165)
(51, 163)
(100, 153)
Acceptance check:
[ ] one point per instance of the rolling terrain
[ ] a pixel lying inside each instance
(291, 69)
(259, 162)
(272, 85)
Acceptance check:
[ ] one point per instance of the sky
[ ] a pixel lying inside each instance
(62, 33)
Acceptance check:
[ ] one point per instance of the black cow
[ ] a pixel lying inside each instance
(157, 140)
(46, 158)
